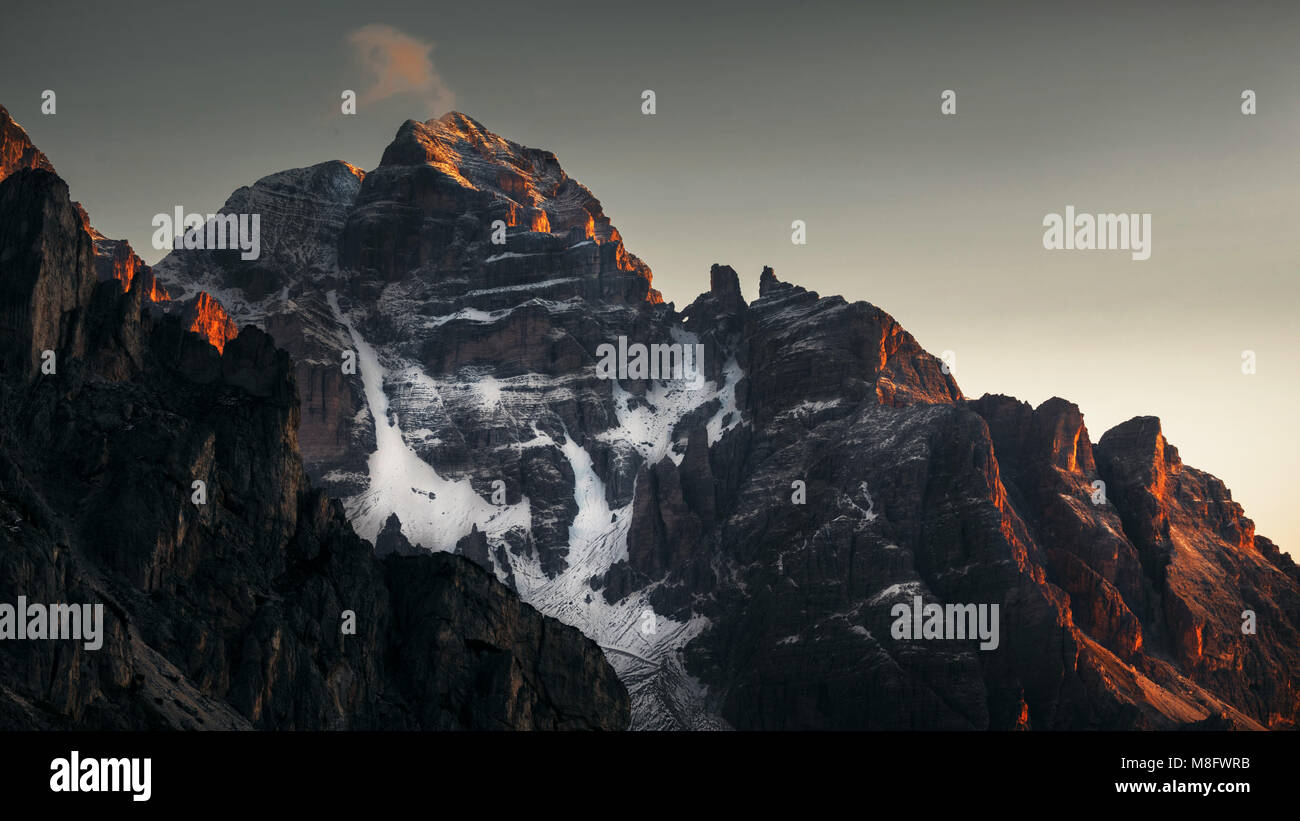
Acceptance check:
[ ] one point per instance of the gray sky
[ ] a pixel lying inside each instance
(769, 113)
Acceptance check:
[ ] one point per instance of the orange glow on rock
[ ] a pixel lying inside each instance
(207, 318)
(157, 293)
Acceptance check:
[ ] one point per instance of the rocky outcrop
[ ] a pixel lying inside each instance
(504, 665)
(1225, 607)
(204, 316)
(805, 349)
(1047, 466)
(46, 291)
(443, 183)
(16, 149)
(158, 475)
(116, 259)
(391, 540)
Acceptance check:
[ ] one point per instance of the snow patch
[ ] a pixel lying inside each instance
(895, 591)
(435, 512)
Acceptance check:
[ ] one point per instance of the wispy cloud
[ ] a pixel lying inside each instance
(398, 63)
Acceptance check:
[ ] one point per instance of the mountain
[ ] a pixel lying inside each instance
(660, 516)
(150, 469)
(738, 543)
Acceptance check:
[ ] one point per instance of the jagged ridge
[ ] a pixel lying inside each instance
(633, 496)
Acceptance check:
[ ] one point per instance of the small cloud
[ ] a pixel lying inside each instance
(398, 63)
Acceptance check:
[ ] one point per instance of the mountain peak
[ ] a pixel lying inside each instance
(451, 140)
(16, 149)
(453, 166)
(768, 282)
(1143, 437)
(457, 121)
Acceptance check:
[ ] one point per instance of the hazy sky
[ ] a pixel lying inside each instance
(767, 113)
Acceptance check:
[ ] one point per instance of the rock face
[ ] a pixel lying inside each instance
(44, 288)
(160, 476)
(115, 259)
(440, 186)
(738, 537)
(392, 540)
(205, 316)
(16, 149)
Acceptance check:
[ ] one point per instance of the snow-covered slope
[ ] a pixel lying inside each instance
(473, 370)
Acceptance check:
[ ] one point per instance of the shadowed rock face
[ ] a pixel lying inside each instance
(739, 546)
(46, 285)
(230, 613)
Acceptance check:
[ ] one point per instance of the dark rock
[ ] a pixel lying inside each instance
(391, 540)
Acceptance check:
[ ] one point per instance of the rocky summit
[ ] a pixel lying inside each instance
(150, 466)
(739, 544)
